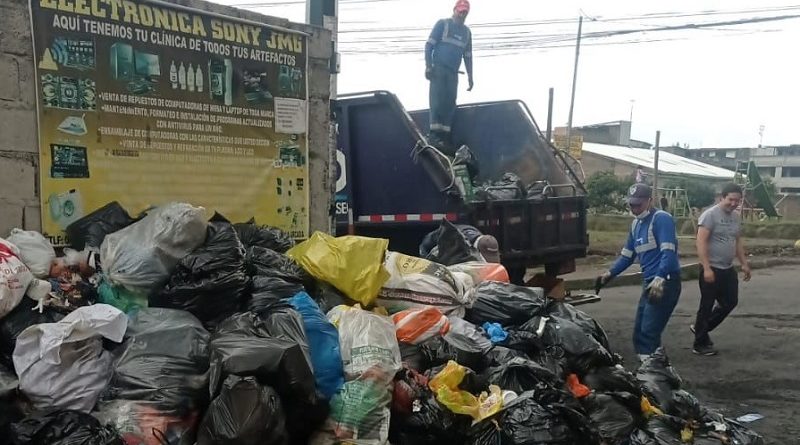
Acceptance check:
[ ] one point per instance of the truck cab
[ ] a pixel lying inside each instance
(392, 184)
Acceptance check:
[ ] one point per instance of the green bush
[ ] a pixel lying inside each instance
(606, 193)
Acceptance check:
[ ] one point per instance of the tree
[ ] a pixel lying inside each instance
(606, 193)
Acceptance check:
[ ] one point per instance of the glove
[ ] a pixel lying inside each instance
(471, 84)
(656, 288)
(428, 72)
(601, 281)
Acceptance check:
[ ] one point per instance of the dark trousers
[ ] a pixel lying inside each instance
(442, 96)
(724, 291)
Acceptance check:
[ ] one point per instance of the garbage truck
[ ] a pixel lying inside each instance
(392, 184)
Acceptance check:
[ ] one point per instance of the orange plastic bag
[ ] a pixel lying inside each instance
(578, 389)
(414, 326)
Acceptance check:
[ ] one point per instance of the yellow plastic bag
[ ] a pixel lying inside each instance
(352, 264)
(445, 385)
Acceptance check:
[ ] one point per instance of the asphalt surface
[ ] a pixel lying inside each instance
(757, 370)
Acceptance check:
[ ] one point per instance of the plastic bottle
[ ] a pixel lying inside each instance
(173, 75)
(198, 79)
(182, 76)
(190, 78)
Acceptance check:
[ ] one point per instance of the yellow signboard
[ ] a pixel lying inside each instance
(145, 103)
(574, 148)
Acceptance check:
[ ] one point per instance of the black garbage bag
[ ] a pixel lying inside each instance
(660, 430)
(612, 415)
(580, 318)
(521, 341)
(612, 379)
(686, 406)
(211, 282)
(520, 375)
(438, 351)
(10, 409)
(244, 413)
(561, 336)
(741, 435)
(327, 296)
(267, 237)
(658, 379)
(553, 360)
(243, 346)
(453, 247)
(504, 303)
(159, 384)
(500, 355)
(507, 188)
(92, 229)
(268, 291)
(283, 322)
(22, 317)
(163, 359)
(62, 427)
(413, 357)
(430, 423)
(525, 422)
(269, 263)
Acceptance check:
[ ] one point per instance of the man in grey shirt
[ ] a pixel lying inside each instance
(719, 240)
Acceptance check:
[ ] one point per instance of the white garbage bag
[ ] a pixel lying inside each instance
(142, 256)
(416, 283)
(63, 365)
(367, 339)
(15, 277)
(34, 250)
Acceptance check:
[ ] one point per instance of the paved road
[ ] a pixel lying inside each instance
(757, 369)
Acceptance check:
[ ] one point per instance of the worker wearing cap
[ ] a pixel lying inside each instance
(449, 42)
(653, 241)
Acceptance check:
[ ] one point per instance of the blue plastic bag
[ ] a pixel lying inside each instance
(495, 332)
(323, 341)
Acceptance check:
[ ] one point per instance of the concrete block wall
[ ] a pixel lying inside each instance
(19, 152)
(19, 155)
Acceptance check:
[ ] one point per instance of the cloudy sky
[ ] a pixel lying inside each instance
(708, 87)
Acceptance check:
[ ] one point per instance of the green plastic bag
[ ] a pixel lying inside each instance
(352, 264)
(119, 297)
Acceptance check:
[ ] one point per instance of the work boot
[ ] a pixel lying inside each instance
(706, 350)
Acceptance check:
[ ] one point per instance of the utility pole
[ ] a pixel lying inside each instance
(325, 13)
(630, 123)
(574, 80)
(550, 117)
(655, 169)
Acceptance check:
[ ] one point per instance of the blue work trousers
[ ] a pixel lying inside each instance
(652, 317)
(442, 96)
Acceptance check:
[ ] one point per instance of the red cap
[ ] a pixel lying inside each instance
(461, 6)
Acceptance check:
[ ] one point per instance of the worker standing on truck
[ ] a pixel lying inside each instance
(719, 241)
(449, 42)
(654, 242)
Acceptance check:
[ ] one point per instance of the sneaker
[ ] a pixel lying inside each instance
(707, 350)
(691, 328)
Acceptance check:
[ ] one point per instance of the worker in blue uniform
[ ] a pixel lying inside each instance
(450, 42)
(653, 241)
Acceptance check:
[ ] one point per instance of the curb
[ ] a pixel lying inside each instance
(688, 272)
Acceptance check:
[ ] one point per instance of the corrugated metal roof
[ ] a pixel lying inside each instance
(668, 163)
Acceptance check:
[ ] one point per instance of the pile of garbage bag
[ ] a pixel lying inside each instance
(173, 329)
